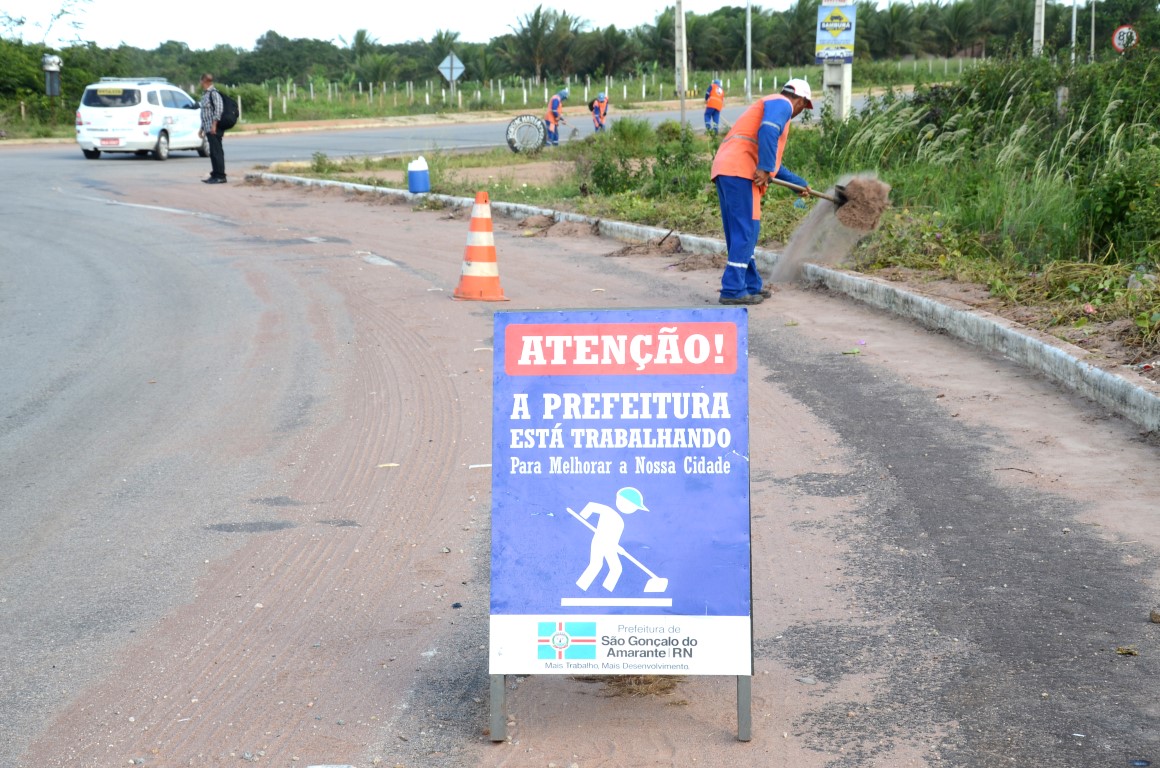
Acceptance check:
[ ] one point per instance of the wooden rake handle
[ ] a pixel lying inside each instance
(805, 190)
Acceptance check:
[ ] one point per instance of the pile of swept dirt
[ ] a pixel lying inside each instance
(570, 229)
(695, 261)
(671, 247)
(665, 246)
(547, 226)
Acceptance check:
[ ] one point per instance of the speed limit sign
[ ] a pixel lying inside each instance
(1124, 38)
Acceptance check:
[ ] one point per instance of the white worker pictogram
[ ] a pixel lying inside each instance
(606, 548)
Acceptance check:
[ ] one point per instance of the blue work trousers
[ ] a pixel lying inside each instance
(740, 277)
(712, 120)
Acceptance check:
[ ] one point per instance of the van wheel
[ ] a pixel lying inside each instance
(161, 151)
(91, 154)
(203, 150)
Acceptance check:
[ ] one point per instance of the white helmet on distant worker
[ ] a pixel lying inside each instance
(799, 87)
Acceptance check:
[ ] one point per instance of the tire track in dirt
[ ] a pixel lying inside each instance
(293, 647)
(337, 562)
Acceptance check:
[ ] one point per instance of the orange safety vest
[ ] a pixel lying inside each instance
(737, 155)
(716, 98)
(555, 104)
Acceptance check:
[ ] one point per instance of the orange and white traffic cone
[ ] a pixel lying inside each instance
(479, 279)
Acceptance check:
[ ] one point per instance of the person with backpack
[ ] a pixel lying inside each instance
(213, 128)
(599, 109)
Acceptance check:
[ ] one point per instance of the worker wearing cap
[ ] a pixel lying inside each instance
(748, 156)
(554, 116)
(605, 547)
(714, 103)
(599, 111)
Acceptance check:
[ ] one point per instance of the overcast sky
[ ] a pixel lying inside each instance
(205, 23)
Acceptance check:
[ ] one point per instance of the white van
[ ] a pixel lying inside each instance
(142, 115)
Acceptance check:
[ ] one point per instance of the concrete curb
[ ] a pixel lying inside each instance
(1137, 402)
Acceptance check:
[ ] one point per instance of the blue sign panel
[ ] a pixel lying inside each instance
(620, 480)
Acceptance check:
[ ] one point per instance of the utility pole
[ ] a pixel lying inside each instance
(748, 52)
(1073, 14)
(1037, 30)
(682, 58)
(1092, 55)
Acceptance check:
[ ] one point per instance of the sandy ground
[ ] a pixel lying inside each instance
(356, 634)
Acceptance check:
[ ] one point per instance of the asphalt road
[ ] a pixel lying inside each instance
(246, 148)
(123, 389)
(163, 369)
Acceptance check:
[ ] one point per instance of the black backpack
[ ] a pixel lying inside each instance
(230, 113)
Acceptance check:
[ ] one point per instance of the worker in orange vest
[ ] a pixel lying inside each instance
(555, 116)
(748, 156)
(714, 102)
(599, 111)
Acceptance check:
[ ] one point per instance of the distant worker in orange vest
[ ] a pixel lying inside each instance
(599, 109)
(555, 116)
(714, 102)
(749, 155)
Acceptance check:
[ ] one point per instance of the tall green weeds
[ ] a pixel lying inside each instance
(1028, 165)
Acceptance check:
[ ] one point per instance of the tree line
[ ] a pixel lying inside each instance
(551, 45)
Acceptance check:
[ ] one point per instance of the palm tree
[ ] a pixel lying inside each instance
(799, 32)
(377, 67)
(990, 16)
(565, 32)
(767, 27)
(607, 51)
(440, 46)
(867, 20)
(360, 45)
(894, 33)
(927, 26)
(527, 48)
(958, 27)
(704, 42)
(483, 62)
(657, 40)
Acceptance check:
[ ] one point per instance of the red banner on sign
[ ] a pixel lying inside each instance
(620, 349)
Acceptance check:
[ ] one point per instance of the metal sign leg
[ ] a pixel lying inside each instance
(498, 709)
(744, 707)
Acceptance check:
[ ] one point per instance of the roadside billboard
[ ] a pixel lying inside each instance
(620, 493)
(835, 38)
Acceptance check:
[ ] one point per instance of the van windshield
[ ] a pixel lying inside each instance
(111, 97)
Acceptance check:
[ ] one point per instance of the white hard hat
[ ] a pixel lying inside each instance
(799, 87)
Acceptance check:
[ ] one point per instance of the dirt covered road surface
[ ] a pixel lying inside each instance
(953, 561)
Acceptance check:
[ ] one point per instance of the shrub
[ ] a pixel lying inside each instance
(609, 168)
(681, 168)
(669, 130)
(632, 132)
(1123, 206)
